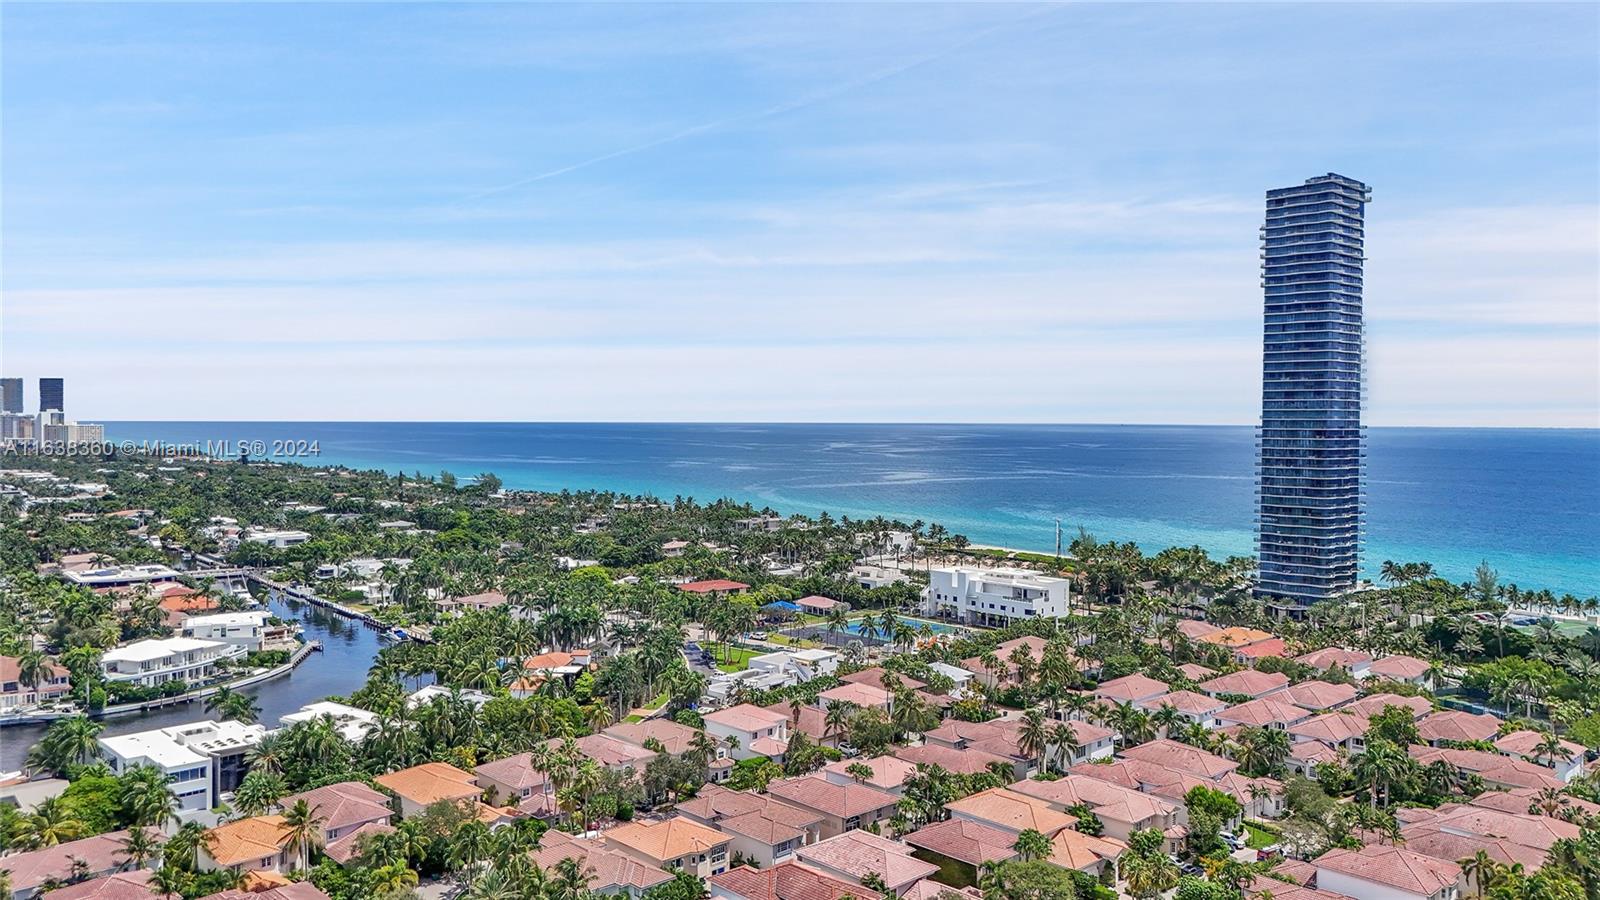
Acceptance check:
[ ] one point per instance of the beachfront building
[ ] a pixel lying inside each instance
(158, 661)
(995, 597)
(202, 760)
(1309, 458)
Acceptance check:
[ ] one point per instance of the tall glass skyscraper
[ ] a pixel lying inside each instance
(1310, 454)
(52, 394)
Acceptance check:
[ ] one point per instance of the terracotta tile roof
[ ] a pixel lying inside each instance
(1194, 629)
(1526, 743)
(888, 772)
(1237, 636)
(1264, 711)
(613, 871)
(859, 853)
(1399, 667)
(1182, 757)
(1263, 649)
(1196, 672)
(1297, 870)
(1332, 728)
(999, 737)
(1373, 704)
(344, 804)
(247, 840)
(787, 881)
(958, 762)
(712, 585)
(1189, 702)
(1455, 725)
(974, 843)
(342, 850)
(515, 772)
(864, 695)
(1534, 831)
(1070, 849)
(674, 738)
(716, 805)
(928, 889)
(1012, 811)
(1491, 767)
(1262, 885)
(816, 601)
(746, 717)
(1129, 688)
(430, 783)
(1312, 752)
(120, 886)
(1248, 682)
(1328, 657)
(668, 840)
(11, 670)
(840, 800)
(30, 869)
(812, 721)
(1318, 694)
(299, 890)
(1108, 800)
(878, 675)
(1441, 844)
(608, 751)
(1393, 866)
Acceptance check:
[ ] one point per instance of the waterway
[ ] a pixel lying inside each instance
(339, 669)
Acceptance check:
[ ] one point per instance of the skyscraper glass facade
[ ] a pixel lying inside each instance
(1310, 451)
(52, 393)
(11, 395)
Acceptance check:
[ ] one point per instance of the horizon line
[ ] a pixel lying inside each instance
(792, 422)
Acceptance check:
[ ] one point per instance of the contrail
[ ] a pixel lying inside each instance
(786, 107)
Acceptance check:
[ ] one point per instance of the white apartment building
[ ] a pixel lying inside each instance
(157, 661)
(240, 629)
(279, 539)
(202, 760)
(995, 597)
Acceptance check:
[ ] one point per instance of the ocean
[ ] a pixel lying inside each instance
(1527, 501)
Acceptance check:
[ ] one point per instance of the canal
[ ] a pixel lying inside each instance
(348, 648)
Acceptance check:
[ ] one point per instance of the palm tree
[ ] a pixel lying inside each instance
(170, 881)
(140, 846)
(51, 822)
(302, 825)
(1031, 845)
(1480, 869)
(147, 797)
(1065, 739)
(1032, 737)
(183, 848)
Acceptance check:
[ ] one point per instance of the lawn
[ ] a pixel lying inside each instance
(736, 659)
(1258, 837)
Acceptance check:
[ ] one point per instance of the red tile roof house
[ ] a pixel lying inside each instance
(31, 871)
(714, 587)
(1496, 770)
(999, 737)
(1387, 873)
(1353, 661)
(963, 845)
(677, 843)
(1196, 672)
(1404, 669)
(1337, 730)
(889, 773)
(856, 855)
(1318, 696)
(1007, 672)
(1246, 683)
(515, 782)
(786, 881)
(343, 807)
(53, 685)
(456, 606)
(808, 720)
(1266, 712)
(959, 762)
(121, 886)
(1373, 704)
(618, 756)
(819, 606)
(1525, 744)
(1457, 726)
(1135, 688)
(865, 696)
(1539, 832)
(1120, 809)
(843, 807)
(1196, 708)
(756, 731)
(1254, 653)
(764, 829)
(615, 873)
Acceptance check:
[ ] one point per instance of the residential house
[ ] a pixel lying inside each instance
(1011, 811)
(156, 661)
(353, 723)
(995, 597)
(1120, 809)
(1136, 689)
(1318, 696)
(1267, 712)
(1385, 872)
(786, 881)
(1495, 769)
(1403, 669)
(243, 630)
(513, 781)
(864, 696)
(754, 731)
(762, 829)
(32, 871)
(1195, 708)
(1338, 730)
(714, 587)
(343, 808)
(1543, 749)
(856, 855)
(615, 874)
(1246, 683)
(255, 844)
(889, 773)
(819, 606)
(1328, 658)
(1455, 726)
(419, 787)
(797, 666)
(54, 684)
(964, 845)
(1372, 704)
(956, 761)
(677, 843)
(843, 807)
(202, 760)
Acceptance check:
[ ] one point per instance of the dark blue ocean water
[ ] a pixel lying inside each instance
(1526, 500)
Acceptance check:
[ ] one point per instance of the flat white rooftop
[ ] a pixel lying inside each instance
(157, 648)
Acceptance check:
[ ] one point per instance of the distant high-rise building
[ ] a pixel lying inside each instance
(1311, 446)
(11, 395)
(52, 393)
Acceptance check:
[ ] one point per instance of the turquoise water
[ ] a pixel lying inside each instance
(857, 627)
(1526, 500)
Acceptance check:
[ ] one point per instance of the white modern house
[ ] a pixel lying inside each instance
(120, 576)
(995, 597)
(279, 538)
(202, 760)
(353, 723)
(239, 629)
(797, 666)
(157, 661)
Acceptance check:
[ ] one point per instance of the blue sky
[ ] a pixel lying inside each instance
(976, 212)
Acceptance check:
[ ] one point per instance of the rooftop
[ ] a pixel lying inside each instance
(859, 853)
(839, 800)
(666, 841)
(1394, 866)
